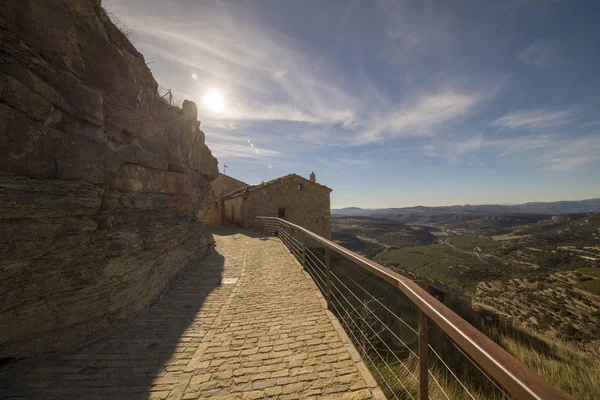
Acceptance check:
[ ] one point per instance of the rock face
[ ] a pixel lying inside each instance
(103, 185)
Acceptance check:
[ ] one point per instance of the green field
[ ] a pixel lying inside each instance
(463, 254)
(469, 242)
(460, 270)
(592, 286)
(591, 271)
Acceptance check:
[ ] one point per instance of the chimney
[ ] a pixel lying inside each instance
(313, 178)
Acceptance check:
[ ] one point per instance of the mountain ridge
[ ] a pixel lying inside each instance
(555, 207)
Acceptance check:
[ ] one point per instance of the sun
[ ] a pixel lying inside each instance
(214, 101)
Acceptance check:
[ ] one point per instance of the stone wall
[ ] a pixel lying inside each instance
(103, 186)
(234, 211)
(225, 184)
(222, 185)
(309, 207)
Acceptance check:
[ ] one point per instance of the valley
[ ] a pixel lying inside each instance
(539, 272)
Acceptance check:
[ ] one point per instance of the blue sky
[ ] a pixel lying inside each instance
(391, 103)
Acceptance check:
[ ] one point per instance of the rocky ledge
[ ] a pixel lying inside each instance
(103, 185)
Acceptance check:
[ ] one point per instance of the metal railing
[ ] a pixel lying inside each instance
(167, 95)
(415, 346)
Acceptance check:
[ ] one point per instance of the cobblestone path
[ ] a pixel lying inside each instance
(245, 323)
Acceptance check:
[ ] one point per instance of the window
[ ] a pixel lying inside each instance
(281, 212)
(299, 186)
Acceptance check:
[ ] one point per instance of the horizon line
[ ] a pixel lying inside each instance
(467, 204)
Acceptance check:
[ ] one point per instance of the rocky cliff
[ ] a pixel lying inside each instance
(103, 185)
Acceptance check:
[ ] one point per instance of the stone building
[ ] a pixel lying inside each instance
(221, 186)
(291, 197)
(225, 184)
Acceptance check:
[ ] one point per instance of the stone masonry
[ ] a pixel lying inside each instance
(246, 324)
(221, 185)
(304, 202)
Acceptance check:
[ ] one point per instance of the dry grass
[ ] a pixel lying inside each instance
(127, 31)
(572, 371)
(548, 305)
(499, 238)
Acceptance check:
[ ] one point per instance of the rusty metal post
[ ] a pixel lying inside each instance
(303, 250)
(328, 266)
(423, 357)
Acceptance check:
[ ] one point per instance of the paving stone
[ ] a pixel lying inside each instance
(293, 388)
(273, 391)
(266, 335)
(262, 384)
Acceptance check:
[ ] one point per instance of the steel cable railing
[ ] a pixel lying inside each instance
(294, 245)
(367, 353)
(387, 316)
(370, 326)
(500, 389)
(306, 255)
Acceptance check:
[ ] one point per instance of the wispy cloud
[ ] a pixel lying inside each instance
(424, 115)
(523, 144)
(344, 160)
(550, 152)
(544, 53)
(228, 150)
(573, 154)
(409, 42)
(229, 145)
(386, 88)
(535, 119)
(265, 75)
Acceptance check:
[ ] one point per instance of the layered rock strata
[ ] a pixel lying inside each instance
(103, 184)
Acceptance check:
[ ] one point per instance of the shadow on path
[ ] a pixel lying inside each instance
(142, 359)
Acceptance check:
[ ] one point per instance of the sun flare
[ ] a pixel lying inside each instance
(214, 101)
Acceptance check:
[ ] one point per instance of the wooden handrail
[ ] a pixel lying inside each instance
(513, 375)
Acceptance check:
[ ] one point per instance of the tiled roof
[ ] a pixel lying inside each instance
(262, 185)
(232, 178)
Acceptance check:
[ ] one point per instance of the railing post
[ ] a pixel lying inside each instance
(262, 227)
(303, 250)
(423, 357)
(284, 236)
(328, 276)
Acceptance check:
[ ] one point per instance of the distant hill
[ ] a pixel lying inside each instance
(556, 207)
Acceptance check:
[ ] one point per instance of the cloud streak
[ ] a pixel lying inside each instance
(389, 91)
(229, 150)
(559, 153)
(544, 53)
(267, 76)
(424, 116)
(535, 119)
